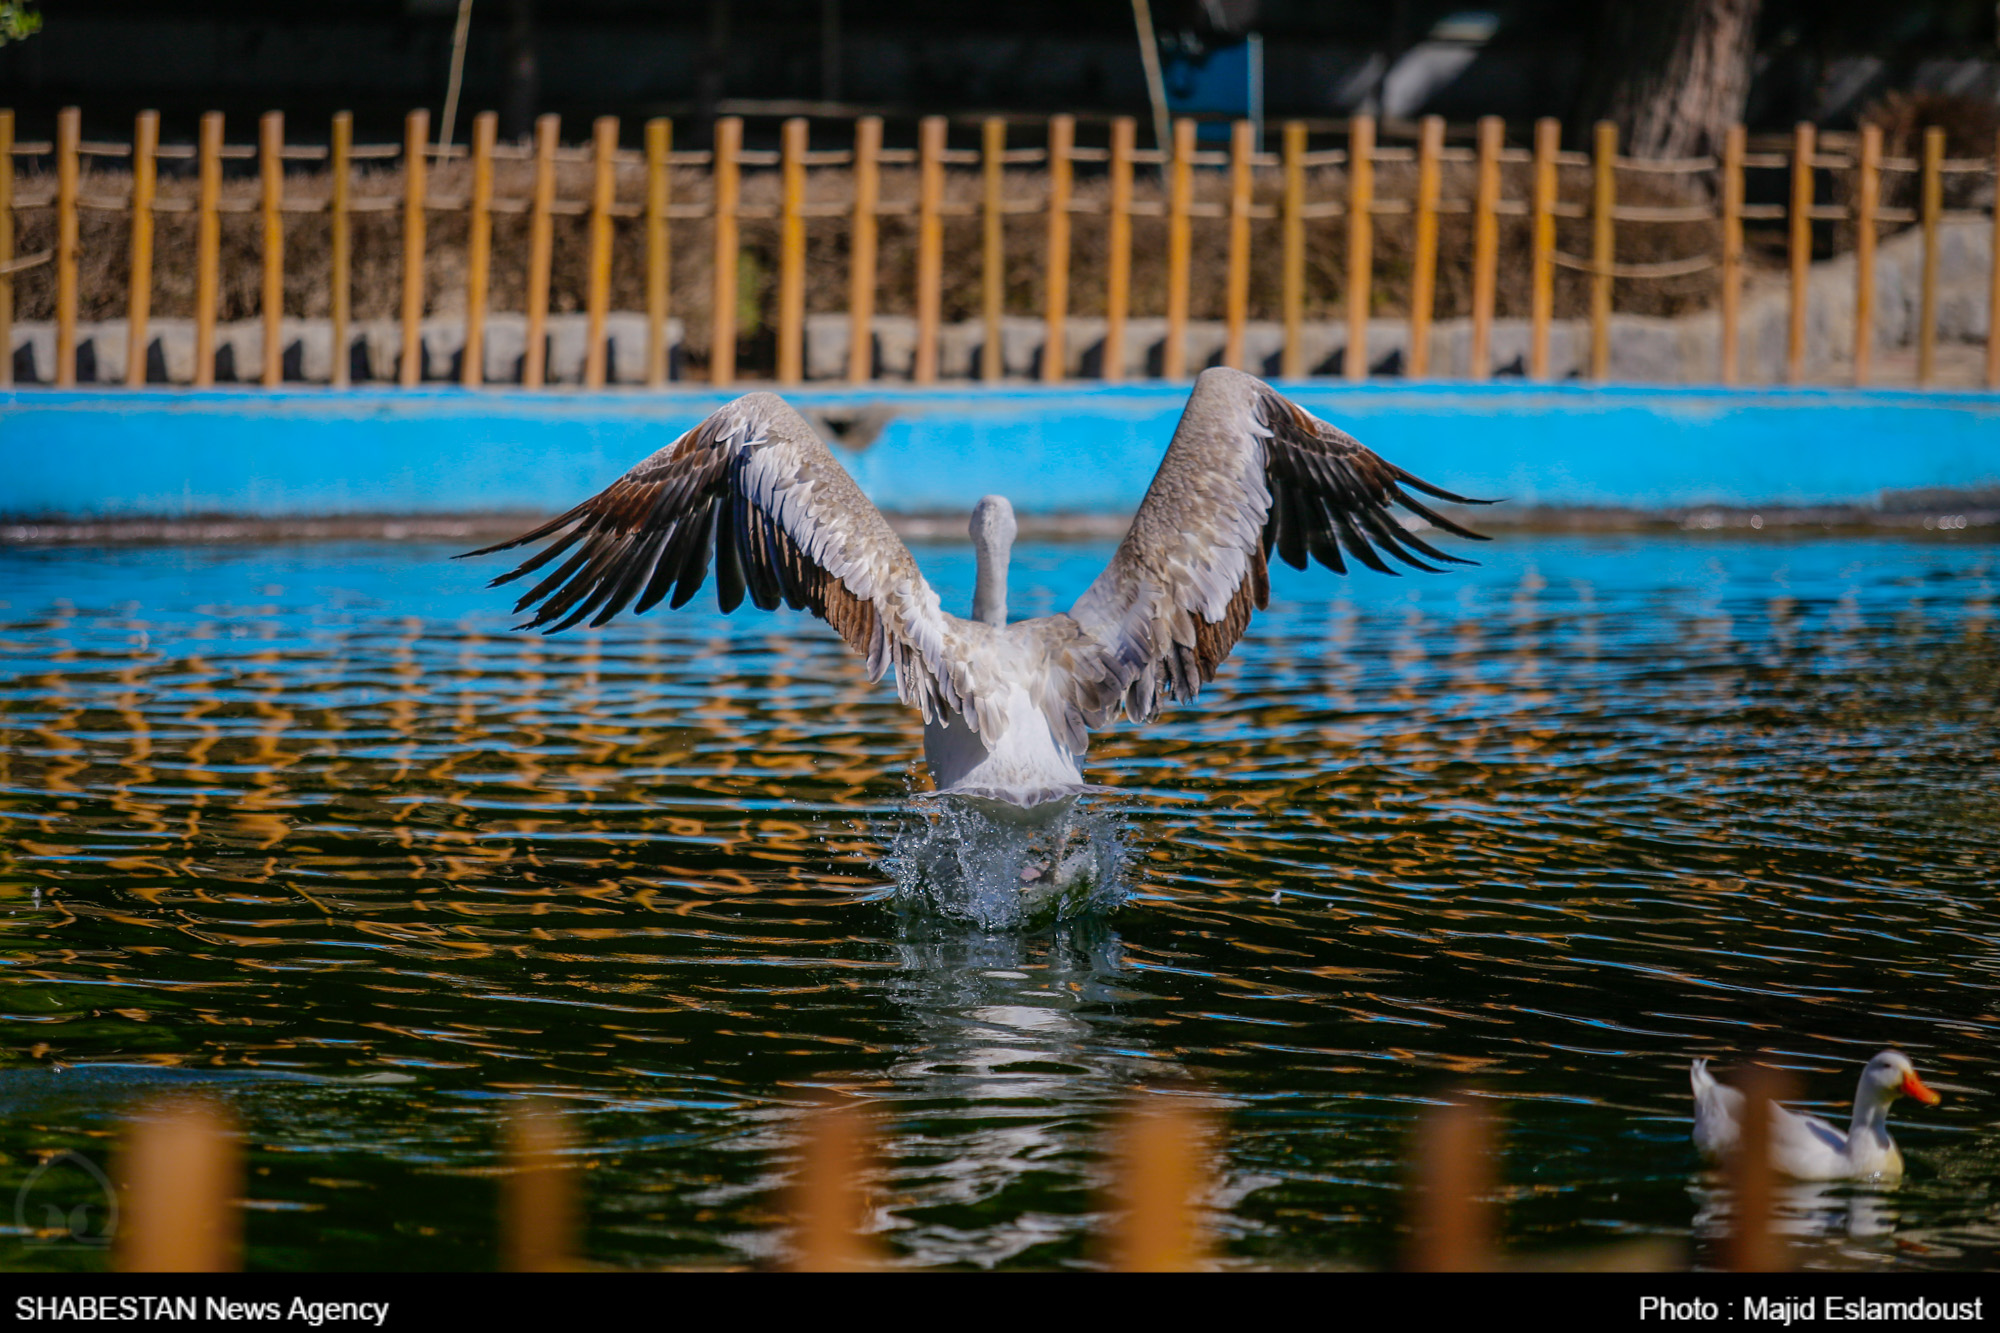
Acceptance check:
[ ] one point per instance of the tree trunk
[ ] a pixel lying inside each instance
(1672, 74)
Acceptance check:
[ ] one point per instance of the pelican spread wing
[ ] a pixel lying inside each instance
(1248, 470)
(754, 488)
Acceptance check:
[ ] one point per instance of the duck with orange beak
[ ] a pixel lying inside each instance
(1806, 1147)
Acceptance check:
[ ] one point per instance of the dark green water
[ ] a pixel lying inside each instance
(276, 820)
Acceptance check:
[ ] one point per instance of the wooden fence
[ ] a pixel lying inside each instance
(180, 1179)
(1716, 194)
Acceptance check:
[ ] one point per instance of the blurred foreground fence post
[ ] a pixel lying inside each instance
(829, 1195)
(538, 1207)
(181, 1176)
(793, 145)
(930, 244)
(1754, 1246)
(1159, 1183)
(1451, 1225)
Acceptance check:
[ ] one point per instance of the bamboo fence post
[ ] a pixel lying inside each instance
(1236, 311)
(1542, 244)
(1292, 364)
(792, 252)
(1360, 242)
(69, 134)
(1423, 278)
(416, 136)
(139, 303)
(341, 244)
(659, 267)
(1180, 189)
(1993, 281)
(1055, 290)
(1603, 243)
(541, 251)
(271, 170)
(993, 245)
(1930, 206)
(930, 244)
(207, 248)
(1801, 257)
(1868, 180)
(478, 250)
(603, 198)
(1486, 243)
(722, 315)
(6, 247)
(1118, 277)
(862, 248)
(1732, 250)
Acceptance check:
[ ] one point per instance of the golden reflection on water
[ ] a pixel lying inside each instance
(1552, 826)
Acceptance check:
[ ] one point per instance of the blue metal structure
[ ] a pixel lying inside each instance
(96, 453)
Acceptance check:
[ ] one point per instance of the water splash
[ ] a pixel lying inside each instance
(970, 861)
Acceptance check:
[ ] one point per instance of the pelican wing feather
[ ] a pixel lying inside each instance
(754, 490)
(1248, 472)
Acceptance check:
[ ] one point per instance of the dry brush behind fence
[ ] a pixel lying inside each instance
(737, 245)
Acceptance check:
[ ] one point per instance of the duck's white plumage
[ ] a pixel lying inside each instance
(1007, 708)
(1806, 1147)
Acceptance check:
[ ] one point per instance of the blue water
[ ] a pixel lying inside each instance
(1547, 828)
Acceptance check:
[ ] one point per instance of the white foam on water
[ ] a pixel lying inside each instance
(966, 860)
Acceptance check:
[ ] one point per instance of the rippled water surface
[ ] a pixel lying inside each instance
(286, 820)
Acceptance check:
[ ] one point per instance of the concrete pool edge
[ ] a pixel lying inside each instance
(1563, 454)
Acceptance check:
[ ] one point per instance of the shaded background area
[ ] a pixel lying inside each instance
(636, 58)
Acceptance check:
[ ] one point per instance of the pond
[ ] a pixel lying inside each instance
(308, 826)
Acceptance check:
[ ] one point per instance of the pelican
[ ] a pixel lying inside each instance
(1007, 708)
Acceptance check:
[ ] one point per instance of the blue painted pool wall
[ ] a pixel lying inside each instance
(106, 454)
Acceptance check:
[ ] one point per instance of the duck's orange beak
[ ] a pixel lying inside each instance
(1914, 1087)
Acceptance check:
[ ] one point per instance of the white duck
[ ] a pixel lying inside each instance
(1804, 1146)
(1007, 707)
